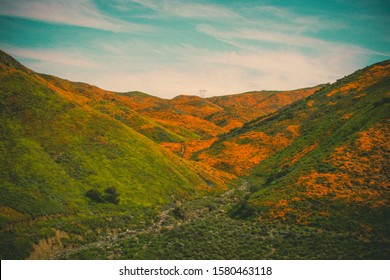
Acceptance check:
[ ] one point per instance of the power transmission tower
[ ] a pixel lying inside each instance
(202, 93)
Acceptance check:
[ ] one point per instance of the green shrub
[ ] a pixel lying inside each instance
(110, 195)
(94, 195)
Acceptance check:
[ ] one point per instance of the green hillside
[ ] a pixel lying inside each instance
(332, 173)
(241, 108)
(62, 158)
(87, 173)
(319, 191)
(119, 106)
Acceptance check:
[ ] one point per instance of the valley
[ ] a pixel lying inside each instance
(87, 173)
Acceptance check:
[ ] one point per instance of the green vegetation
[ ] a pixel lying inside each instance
(202, 229)
(82, 172)
(325, 178)
(110, 195)
(117, 106)
(53, 149)
(222, 238)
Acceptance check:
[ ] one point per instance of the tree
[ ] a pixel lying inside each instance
(111, 196)
(94, 195)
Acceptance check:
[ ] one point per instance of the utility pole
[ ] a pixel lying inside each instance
(202, 93)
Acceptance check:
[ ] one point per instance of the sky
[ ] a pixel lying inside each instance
(171, 47)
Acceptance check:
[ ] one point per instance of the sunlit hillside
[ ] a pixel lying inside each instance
(87, 173)
(64, 154)
(321, 162)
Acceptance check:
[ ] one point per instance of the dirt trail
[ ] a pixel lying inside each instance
(108, 241)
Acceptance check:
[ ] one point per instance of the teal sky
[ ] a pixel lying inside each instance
(166, 48)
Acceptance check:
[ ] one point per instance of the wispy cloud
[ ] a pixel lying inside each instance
(223, 48)
(188, 69)
(285, 40)
(284, 19)
(222, 73)
(75, 58)
(188, 9)
(71, 12)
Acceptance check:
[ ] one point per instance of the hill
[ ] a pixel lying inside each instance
(335, 171)
(317, 184)
(320, 162)
(87, 173)
(244, 107)
(184, 124)
(224, 113)
(65, 157)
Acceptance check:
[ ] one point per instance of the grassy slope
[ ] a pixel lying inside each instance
(53, 149)
(323, 195)
(187, 123)
(211, 117)
(119, 106)
(241, 108)
(334, 175)
(195, 106)
(319, 185)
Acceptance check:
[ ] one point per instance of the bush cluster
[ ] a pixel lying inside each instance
(110, 195)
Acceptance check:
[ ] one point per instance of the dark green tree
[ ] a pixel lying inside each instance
(111, 195)
(94, 195)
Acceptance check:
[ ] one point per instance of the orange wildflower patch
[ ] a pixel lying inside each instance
(237, 159)
(218, 178)
(241, 108)
(191, 123)
(344, 89)
(278, 210)
(245, 151)
(359, 96)
(187, 149)
(367, 79)
(195, 106)
(294, 130)
(173, 147)
(310, 103)
(374, 137)
(194, 146)
(347, 116)
(233, 123)
(358, 177)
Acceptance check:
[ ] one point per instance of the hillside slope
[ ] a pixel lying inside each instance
(119, 106)
(318, 184)
(223, 113)
(244, 107)
(184, 124)
(89, 173)
(60, 156)
(323, 161)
